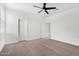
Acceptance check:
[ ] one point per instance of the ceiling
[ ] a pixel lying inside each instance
(28, 7)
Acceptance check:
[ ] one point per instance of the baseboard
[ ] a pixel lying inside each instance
(13, 41)
(67, 42)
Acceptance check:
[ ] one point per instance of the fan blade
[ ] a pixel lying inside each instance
(50, 8)
(57, 9)
(46, 11)
(37, 7)
(44, 5)
(40, 11)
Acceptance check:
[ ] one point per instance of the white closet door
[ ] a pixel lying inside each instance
(23, 29)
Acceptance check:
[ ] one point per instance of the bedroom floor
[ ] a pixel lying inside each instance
(40, 47)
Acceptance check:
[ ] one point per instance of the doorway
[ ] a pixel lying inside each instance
(22, 28)
(45, 30)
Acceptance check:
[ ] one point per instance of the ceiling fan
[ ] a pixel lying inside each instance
(45, 8)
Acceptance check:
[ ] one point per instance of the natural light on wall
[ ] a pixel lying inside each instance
(1, 27)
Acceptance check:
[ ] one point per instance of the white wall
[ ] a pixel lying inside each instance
(11, 27)
(1, 27)
(33, 30)
(34, 26)
(65, 26)
(11, 17)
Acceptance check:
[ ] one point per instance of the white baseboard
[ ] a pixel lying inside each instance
(71, 43)
(15, 41)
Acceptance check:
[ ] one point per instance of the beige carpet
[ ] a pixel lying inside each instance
(40, 47)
